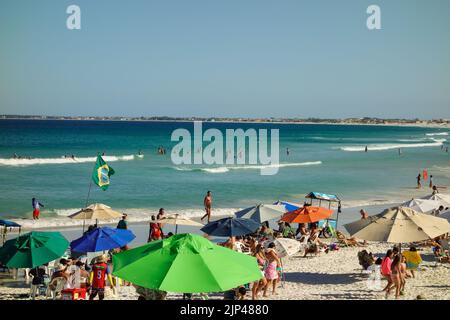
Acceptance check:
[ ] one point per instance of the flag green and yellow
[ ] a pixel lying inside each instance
(101, 173)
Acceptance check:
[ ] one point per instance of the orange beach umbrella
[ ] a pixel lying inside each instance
(307, 214)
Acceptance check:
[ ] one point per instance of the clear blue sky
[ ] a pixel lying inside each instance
(261, 58)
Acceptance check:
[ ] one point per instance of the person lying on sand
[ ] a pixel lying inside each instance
(351, 242)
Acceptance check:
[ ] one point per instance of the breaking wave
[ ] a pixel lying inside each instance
(62, 160)
(381, 147)
(246, 167)
(437, 134)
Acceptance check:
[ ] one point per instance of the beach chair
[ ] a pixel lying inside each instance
(240, 247)
(304, 242)
(55, 287)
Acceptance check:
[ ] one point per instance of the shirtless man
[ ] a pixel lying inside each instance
(207, 202)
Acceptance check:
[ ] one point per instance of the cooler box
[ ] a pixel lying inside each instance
(73, 294)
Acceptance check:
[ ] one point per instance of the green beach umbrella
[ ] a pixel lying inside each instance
(185, 263)
(33, 249)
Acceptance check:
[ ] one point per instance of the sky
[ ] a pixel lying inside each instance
(226, 58)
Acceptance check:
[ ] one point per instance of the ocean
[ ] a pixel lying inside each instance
(322, 158)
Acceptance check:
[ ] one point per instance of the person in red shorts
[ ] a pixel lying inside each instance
(36, 208)
(100, 271)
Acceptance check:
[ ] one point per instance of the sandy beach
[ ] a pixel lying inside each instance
(336, 275)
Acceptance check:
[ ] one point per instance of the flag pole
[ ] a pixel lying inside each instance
(87, 201)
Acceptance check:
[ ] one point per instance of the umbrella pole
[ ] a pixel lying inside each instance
(282, 273)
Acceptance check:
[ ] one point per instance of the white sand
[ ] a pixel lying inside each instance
(336, 275)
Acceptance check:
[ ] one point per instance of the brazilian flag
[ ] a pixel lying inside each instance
(101, 173)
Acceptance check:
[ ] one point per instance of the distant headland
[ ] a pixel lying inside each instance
(443, 123)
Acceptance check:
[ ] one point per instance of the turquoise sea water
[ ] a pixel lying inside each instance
(324, 158)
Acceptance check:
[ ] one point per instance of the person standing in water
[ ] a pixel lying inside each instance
(287, 151)
(419, 177)
(36, 208)
(366, 149)
(208, 204)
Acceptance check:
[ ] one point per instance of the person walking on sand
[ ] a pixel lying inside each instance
(123, 224)
(419, 177)
(36, 208)
(431, 182)
(208, 204)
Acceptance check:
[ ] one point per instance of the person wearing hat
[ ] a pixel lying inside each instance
(100, 271)
(123, 223)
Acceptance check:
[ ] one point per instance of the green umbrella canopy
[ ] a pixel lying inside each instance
(185, 263)
(33, 249)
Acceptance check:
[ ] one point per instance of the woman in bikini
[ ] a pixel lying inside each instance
(271, 272)
(261, 259)
(396, 275)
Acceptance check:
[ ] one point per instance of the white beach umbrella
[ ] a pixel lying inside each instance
(177, 220)
(443, 198)
(96, 211)
(422, 205)
(398, 225)
(285, 247)
(262, 212)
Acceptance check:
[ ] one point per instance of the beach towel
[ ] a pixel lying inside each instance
(413, 259)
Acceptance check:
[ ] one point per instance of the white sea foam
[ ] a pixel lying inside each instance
(62, 160)
(437, 134)
(388, 146)
(135, 215)
(225, 169)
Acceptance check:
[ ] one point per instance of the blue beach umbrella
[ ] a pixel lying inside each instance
(229, 227)
(290, 206)
(101, 239)
(9, 224)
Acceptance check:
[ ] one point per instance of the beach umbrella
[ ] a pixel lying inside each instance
(307, 214)
(185, 263)
(8, 224)
(97, 211)
(179, 220)
(231, 226)
(262, 212)
(444, 199)
(397, 225)
(33, 249)
(102, 239)
(422, 205)
(445, 215)
(290, 206)
(285, 247)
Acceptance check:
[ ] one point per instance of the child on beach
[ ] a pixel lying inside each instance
(386, 270)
